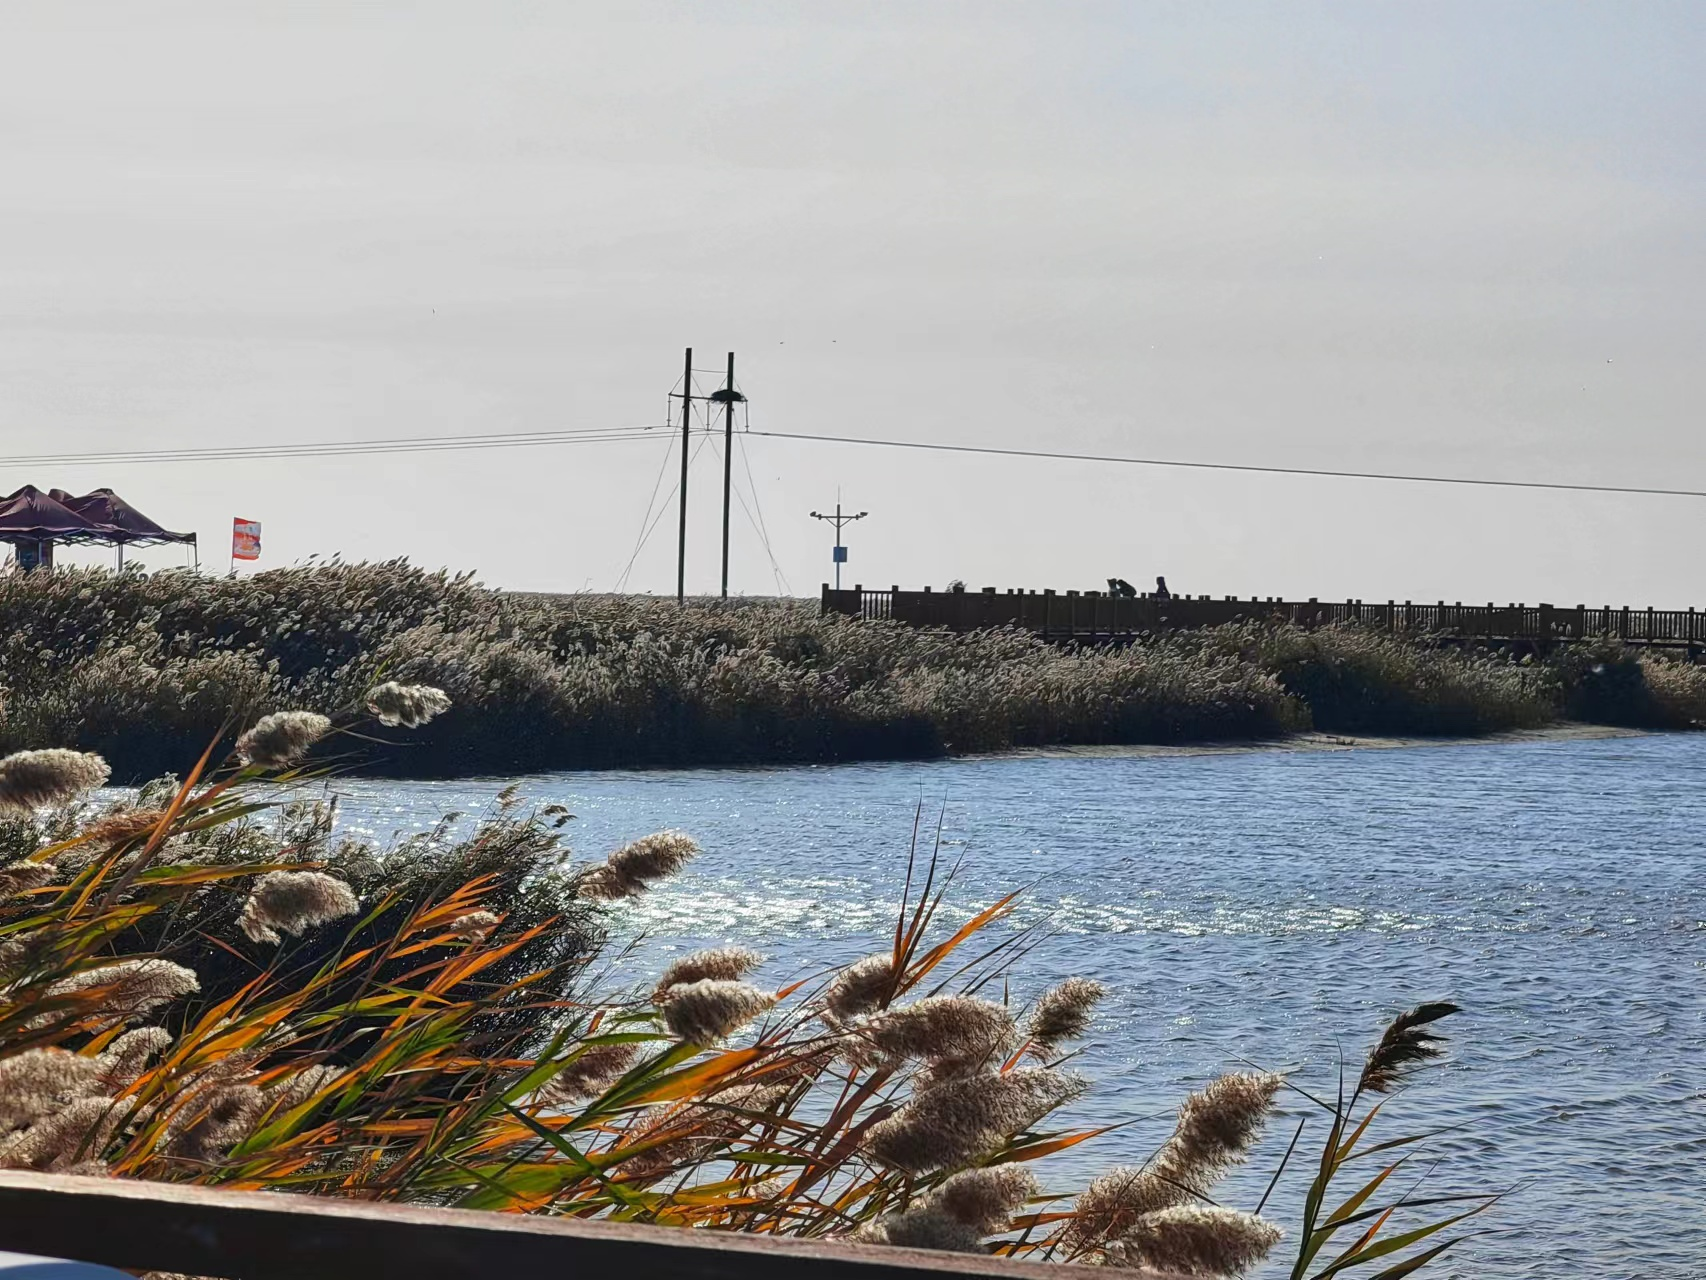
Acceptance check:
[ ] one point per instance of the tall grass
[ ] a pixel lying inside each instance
(427, 1034)
(1356, 680)
(144, 669)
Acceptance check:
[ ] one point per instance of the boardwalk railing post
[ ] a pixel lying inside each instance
(1100, 617)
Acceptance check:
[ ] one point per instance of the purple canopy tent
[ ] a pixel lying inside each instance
(32, 521)
(119, 521)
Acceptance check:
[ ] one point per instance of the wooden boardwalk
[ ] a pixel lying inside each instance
(253, 1235)
(1095, 615)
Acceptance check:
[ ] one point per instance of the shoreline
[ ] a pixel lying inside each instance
(1311, 741)
(1571, 731)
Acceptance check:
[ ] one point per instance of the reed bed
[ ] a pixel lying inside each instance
(1356, 680)
(202, 985)
(144, 669)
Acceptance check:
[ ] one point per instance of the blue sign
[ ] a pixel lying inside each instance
(840, 555)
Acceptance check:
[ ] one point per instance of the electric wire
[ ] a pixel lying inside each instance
(775, 569)
(343, 448)
(763, 530)
(645, 527)
(663, 510)
(1235, 466)
(597, 435)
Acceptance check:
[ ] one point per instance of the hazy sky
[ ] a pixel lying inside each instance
(1452, 238)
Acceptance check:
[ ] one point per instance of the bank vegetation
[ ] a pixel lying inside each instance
(145, 669)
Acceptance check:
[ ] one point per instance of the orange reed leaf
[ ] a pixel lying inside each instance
(1343, 1151)
(942, 950)
(687, 1082)
(1048, 1146)
(142, 859)
(166, 877)
(854, 1194)
(399, 1128)
(1367, 1237)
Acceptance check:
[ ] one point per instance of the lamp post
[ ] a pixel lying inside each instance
(838, 520)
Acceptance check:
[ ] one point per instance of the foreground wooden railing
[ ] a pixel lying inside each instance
(149, 1226)
(1093, 615)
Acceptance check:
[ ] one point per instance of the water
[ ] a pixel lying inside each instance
(1275, 907)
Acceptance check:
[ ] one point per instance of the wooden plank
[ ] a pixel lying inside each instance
(272, 1236)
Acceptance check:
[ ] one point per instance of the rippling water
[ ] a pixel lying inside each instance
(1275, 907)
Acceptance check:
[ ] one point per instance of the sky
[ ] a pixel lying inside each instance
(1454, 239)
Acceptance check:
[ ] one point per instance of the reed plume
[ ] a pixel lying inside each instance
(725, 963)
(959, 1213)
(1216, 1128)
(123, 826)
(299, 1086)
(706, 1011)
(408, 705)
(21, 877)
(37, 1081)
(922, 1227)
(71, 1138)
(956, 1121)
(862, 986)
(1063, 1012)
(282, 738)
(292, 901)
(962, 1030)
(1112, 1203)
(31, 780)
(126, 1058)
(215, 1120)
(678, 1135)
(1406, 1045)
(633, 867)
(1196, 1240)
(591, 1072)
(126, 990)
(474, 926)
(985, 1199)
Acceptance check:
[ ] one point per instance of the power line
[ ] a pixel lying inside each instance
(755, 522)
(646, 525)
(597, 435)
(1233, 466)
(763, 531)
(344, 448)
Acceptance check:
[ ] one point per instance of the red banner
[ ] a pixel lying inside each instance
(245, 539)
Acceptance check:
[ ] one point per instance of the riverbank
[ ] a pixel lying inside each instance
(1315, 741)
(146, 669)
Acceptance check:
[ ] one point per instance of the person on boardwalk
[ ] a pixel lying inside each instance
(1161, 592)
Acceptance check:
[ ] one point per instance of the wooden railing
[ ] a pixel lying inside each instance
(245, 1235)
(1096, 615)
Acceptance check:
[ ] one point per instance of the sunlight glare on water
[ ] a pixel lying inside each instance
(1272, 907)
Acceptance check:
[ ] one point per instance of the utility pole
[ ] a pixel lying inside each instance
(686, 433)
(728, 395)
(838, 520)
